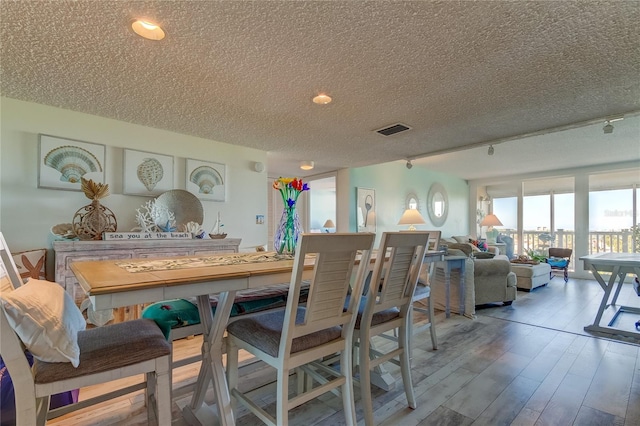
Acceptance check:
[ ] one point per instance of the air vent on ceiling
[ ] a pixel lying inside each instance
(393, 129)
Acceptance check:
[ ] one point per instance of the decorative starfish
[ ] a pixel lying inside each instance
(168, 227)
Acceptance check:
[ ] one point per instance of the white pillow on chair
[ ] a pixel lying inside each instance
(46, 319)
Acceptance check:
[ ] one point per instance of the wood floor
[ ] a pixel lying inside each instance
(530, 363)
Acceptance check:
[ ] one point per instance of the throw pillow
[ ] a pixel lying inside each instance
(481, 245)
(457, 252)
(462, 238)
(558, 262)
(466, 248)
(31, 263)
(483, 255)
(46, 319)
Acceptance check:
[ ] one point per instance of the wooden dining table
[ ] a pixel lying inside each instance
(124, 282)
(117, 283)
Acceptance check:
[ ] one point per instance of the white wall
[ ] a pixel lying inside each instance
(27, 212)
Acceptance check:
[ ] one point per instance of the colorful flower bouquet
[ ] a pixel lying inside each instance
(289, 229)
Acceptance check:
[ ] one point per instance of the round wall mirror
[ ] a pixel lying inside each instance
(437, 204)
(411, 202)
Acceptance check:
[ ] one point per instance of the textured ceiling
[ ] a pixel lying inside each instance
(458, 73)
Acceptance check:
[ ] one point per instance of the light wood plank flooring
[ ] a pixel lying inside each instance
(530, 363)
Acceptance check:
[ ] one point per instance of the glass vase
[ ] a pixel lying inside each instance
(288, 231)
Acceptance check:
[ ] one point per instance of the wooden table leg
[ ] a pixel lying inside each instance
(461, 290)
(212, 369)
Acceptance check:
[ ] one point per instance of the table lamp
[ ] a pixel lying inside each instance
(328, 224)
(411, 217)
(490, 221)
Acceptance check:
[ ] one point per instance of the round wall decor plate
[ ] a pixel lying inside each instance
(185, 206)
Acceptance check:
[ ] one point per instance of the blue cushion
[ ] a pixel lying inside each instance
(558, 262)
(172, 313)
(176, 313)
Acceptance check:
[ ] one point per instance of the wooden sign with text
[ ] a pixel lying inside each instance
(137, 236)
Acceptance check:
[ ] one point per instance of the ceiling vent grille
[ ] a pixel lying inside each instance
(393, 129)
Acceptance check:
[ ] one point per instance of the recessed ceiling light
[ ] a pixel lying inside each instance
(306, 165)
(147, 29)
(322, 99)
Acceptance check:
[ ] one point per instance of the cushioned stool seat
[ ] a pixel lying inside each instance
(265, 331)
(106, 349)
(531, 276)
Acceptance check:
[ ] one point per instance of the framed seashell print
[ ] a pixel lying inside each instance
(146, 173)
(63, 162)
(206, 180)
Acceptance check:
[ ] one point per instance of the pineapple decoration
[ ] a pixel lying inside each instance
(92, 220)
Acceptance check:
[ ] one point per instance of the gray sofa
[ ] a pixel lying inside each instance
(486, 281)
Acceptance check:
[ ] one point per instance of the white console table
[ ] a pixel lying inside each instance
(67, 252)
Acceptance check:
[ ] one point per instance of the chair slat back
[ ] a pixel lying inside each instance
(398, 276)
(9, 275)
(333, 274)
(560, 252)
(434, 244)
(11, 347)
(434, 240)
(12, 350)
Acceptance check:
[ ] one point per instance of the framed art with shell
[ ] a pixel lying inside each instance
(146, 173)
(63, 162)
(206, 180)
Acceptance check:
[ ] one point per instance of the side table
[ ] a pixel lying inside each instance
(448, 264)
(502, 247)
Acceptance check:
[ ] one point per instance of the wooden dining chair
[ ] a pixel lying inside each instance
(41, 317)
(386, 307)
(422, 295)
(559, 259)
(290, 339)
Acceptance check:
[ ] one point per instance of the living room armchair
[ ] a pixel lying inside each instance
(494, 281)
(486, 280)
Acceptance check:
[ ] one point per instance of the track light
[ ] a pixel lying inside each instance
(409, 165)
(491, 150)
(608, 127)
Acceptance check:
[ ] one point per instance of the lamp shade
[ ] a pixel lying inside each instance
(491, 220)
(329, 224)
(411, 217)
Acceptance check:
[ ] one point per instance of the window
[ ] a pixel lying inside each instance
(563, 224)
(612, 213)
